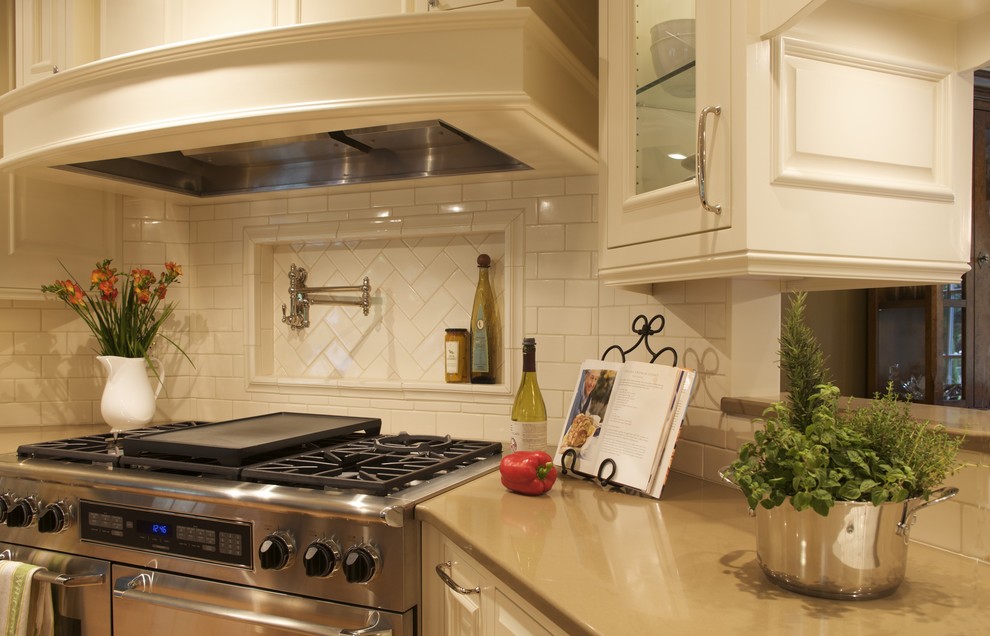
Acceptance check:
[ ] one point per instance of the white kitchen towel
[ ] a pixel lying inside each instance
(25, 601)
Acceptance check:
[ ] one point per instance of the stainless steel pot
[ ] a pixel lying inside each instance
(858, 551)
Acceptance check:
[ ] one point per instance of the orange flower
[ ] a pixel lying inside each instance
(74, 293)
(128, 327)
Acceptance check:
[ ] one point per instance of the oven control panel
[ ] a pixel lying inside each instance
(202, 538)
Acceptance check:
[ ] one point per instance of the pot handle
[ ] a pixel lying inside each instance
(726, 475)
(904, 526)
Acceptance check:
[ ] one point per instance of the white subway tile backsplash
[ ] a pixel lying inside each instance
(545, 238)
(144, 253)
(564, 265)
(269, 207)
(494, 190)
(614, 321)
(544, 293)
(438, 194)
(573, 321)
(584, 184)
(223, 211)
(130, 229)
(581, 237)
(134, 208)
(213, 231)
(307, 204)
(581, 293)
(564, 209)
(577, 349)
(392, 198)
(538, 188)
(349, 201)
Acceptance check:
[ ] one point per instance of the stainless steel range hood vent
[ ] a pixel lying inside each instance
(363, 155)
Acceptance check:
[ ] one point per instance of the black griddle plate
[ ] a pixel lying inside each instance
(231, 442)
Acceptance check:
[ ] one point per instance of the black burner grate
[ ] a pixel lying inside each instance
(357, 461)
(100, 448)
(371, 465)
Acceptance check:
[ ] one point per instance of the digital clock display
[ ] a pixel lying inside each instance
(155, 528)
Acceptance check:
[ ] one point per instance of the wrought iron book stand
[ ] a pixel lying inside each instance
(607, 468)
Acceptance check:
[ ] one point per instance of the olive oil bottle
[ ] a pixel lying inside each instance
(528, 428)
(484, 328)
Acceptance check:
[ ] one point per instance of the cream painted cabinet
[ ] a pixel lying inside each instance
(824, 144)
(471, 601)
(668, 63)
(45, 225)
(52, 36)
(132, 25)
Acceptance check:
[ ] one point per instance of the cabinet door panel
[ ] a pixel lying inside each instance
(45, 224)
(664, 69)
(462, 615)
(512, 620)
(38, 39)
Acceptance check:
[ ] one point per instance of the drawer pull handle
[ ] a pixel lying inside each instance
(451, 583)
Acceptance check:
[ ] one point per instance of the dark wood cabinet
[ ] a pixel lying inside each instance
(918, 339)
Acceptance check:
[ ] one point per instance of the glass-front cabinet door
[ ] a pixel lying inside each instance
(666, 118)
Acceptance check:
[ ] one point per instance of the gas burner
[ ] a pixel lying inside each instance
(413, 444)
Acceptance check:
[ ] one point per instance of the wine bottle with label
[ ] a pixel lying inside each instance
(528, 428)
(484, 328)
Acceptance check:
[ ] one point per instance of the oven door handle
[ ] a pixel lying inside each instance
(70, 580)
(62, 580)
(133, 588)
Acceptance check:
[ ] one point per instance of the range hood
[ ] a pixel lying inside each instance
(363, 155)
(352, 102)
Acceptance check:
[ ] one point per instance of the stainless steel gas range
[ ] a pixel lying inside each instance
(287, 523)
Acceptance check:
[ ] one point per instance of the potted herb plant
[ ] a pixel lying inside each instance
(834, 490)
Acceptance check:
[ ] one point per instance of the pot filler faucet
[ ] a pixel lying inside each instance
(297, 316)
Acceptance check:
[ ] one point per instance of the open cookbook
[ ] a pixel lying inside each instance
(630, 413)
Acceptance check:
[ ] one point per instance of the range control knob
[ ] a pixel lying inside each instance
(6, 503)
(54, 518)
(322, 558)
(361, 563)
(22, 513)
(276, 551)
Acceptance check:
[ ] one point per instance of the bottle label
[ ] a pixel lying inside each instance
(479, 344)
(527, 436)
(452, 357)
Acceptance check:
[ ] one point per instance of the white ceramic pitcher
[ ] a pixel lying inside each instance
(128, 400)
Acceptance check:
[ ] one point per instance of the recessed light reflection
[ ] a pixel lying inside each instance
(677, 156)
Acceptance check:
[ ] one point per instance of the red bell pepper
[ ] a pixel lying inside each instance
(528, 472)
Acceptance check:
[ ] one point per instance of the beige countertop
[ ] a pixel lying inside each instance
(598, 562)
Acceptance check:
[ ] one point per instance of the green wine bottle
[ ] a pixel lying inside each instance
(528, 428)
(484, 328)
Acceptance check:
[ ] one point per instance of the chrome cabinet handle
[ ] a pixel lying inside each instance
(449, 582)
(134, 588)
(701, 165)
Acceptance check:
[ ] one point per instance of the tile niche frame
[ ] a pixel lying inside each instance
(260, 243)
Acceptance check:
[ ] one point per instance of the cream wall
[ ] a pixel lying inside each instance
(50, 384)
